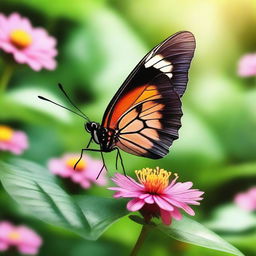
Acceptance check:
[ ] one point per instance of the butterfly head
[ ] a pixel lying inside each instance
(101, 135)
(91, 126)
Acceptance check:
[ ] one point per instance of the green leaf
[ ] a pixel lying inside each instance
(101, 212)
(34, 188)
(192, 232)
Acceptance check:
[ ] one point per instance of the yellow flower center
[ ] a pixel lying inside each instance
(154, 180)
(6, 133)
(14, 236)
(20, 38)
(79, 167)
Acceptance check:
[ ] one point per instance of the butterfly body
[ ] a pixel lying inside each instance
(105, 137)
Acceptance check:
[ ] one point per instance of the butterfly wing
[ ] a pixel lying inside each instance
(151, 125)
(146, 110)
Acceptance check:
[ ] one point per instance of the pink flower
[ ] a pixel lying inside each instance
(23, 238)
(247, 65)
(13, 141)
(153, 196)
(29, 45)
(247, 200)
(85, 173)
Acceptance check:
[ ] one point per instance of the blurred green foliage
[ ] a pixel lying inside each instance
(89, 216)
(99, 42)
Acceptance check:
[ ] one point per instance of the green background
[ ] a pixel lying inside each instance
(99, 43)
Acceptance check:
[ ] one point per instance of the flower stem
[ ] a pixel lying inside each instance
(140, 241)
(5, 78)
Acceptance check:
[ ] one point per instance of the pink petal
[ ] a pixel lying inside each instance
(20, 57)
(85, 184)
(135, 204)
(17, 144)
(8, 47)
(3, 246)
(29, 236)
(92, 170)
(26, 249)
(77, 176)
(166, 217)
(182, 205)
(20, 139)
(252, 192)
(149, 199)
(245, 202)
(247, 65)
(124, 193)
(191, 193)
(163, 204)
(176, 214)
(58, 166)
(127, 183)
(179, 187)
(35, 65)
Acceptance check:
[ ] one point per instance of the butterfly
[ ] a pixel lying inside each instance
(144, 116)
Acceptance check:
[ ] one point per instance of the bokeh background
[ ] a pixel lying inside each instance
(99, 43)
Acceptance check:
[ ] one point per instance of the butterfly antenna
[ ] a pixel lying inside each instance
(55, 103)
(71, 102)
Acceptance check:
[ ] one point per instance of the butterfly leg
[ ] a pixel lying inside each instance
(121, 160)
(104, 165)
(92, 150)
(117, 155)
(82, 151)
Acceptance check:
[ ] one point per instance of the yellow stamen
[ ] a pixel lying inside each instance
(79, 167)
(14, 236)
(20, 38)
(154, 180)
(6, 133)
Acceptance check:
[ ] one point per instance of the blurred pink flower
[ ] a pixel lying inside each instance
(13, 141)
(153, 196)
(23, 238)
(29, 45)
(85, 173)
(247, 65)
(247, 200)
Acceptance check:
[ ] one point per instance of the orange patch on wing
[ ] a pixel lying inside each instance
(151, 88)
(154, 124)
(130, 148)
(151, 133)
(138, 139)
(127, 118)
(134, 126)
(151, 93)
(130, 99)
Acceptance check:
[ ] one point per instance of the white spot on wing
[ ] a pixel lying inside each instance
(153, 60)
(160, 63)
(166, 69)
